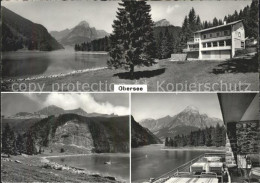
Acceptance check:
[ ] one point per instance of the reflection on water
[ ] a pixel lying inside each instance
(151, 162)
(31, 63)
(115, 164)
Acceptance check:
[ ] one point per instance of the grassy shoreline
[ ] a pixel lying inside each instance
(38, 168)
(198, 148)
(165, 76)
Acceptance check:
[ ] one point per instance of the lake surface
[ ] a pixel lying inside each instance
(151, 162)
(95, 163)
(37, 63)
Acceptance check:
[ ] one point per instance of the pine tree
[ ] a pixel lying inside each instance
(192, 20)
(220, 22)
(20, 143)
(30, 149)
(8, 141)
(215, 22)
(166, 142)
(198, 23)
(132, 42)
(253, 20)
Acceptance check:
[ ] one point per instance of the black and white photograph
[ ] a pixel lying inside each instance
(57, 137)
(195, 137)
(166, 45)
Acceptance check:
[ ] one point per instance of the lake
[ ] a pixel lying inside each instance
(151, 162)
(95, 163)
(37, 63)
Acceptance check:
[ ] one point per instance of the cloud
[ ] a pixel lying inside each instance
(170, 9)
(85, 101)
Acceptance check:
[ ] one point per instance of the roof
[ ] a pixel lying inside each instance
(220, 26)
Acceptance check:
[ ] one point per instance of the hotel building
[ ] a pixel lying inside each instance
(217, 43)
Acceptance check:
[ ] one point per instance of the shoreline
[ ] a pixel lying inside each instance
(77, 170)
(194, 149)
(54, 75)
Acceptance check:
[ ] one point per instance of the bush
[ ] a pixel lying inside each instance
(62, 150)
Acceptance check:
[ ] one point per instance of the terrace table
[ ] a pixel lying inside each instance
(216, 167)
(193, 180)
(198, 167)
(213, 158)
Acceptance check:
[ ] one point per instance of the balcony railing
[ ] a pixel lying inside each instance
(190, 49)
(192, 42)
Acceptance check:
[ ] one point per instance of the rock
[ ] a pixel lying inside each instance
(110, 178)
(95, 175)
(17, 161)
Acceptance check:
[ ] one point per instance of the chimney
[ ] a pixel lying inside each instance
(225, 22)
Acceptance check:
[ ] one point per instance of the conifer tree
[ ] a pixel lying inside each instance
(132, 42)
(20, 143)
(215, 22)
(8, 141)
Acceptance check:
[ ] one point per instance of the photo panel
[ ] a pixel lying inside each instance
(195, 137)
(65, 137)
(92, 45)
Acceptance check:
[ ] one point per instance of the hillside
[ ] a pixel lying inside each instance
(79, 34)
(71, 131)
(190, 119)
(20, 33)
(141, 136)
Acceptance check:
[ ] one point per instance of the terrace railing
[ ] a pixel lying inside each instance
(185, 167)
(175, 171)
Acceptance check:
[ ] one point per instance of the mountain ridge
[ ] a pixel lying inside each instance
(141, 136)
(21, 33)
(80, 33)
(54, 110)
(190, 117)
(73, 132)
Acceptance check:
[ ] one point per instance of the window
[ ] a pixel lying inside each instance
(204, 36)
(209, 45)
(204, 45)
(217, 34)
(228, 42)
(221, 43)
(210, 35)
(215, 44)
(226, 33)
(242, 44)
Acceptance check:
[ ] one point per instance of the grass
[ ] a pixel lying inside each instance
(32, 170)
(164, 76)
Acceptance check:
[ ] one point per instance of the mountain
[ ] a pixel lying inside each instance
(74, 132)
(141, 136)
(190, 119)
(78, 111)
(58, 35)
(162, 23)
(55, 111)
(20, 33)
(79, 34)
(51, 110)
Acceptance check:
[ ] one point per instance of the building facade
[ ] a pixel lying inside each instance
(217, 43)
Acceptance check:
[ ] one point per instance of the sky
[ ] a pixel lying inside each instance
(158, 105)
(13, 103)
(59, 15)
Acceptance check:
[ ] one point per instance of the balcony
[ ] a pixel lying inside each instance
(192, 42)
(215, 39)
(216, 48)
(190, 49)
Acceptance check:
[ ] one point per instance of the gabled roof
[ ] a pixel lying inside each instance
(220, 26)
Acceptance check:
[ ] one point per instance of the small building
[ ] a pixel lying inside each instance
(217, 43)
